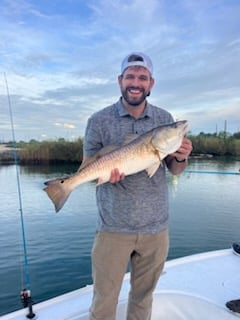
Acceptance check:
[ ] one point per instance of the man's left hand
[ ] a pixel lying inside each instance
(184, 151)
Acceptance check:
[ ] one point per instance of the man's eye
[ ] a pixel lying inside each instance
(129, 77)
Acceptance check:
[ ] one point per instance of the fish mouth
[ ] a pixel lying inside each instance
(183, 125)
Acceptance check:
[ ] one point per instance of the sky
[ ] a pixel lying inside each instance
(60, 59)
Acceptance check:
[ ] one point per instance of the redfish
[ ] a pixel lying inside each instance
(144, 152)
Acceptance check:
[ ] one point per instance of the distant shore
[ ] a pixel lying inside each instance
(63, 151)
(5, 148)
(6, 154)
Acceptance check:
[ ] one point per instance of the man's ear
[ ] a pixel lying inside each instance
(120, 79)
(152, 82)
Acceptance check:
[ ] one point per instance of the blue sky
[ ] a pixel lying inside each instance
(62, 59)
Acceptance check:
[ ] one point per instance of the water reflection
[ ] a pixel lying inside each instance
(204, 215)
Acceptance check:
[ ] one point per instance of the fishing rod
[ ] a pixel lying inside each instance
(26, 292)
(213, 172)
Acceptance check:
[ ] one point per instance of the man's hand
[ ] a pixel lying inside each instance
(184, 151)
(175, 161)
(116, 176)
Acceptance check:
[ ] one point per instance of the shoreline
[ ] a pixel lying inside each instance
(4, 148)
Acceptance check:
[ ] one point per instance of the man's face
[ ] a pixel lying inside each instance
(135, 84)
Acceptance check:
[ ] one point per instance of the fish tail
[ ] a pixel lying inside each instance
(58, 192)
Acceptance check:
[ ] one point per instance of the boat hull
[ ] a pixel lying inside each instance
(195, 287)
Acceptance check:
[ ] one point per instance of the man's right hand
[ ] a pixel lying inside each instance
(116, 176)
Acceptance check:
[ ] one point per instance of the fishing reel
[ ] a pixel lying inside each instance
(27, 302)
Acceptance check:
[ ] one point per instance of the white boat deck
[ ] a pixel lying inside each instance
(194, 287)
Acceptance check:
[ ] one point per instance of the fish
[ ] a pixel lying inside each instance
(145, 152)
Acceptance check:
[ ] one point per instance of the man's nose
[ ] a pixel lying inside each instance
(135, 82)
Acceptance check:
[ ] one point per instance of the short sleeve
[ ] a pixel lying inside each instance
(92, 139)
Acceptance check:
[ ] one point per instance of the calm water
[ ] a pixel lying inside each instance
(204, 210)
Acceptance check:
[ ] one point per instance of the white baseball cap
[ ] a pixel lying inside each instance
(137, 59)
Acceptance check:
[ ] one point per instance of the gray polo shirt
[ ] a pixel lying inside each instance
(137, 204)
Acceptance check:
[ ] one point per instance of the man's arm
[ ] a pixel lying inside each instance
(177, 161)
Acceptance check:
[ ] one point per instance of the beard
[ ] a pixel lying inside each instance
(134, 101)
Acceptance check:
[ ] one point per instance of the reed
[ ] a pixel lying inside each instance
(64, 151)
(216, 145)
(46, 152)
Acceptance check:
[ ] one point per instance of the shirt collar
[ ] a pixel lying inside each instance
(123, 112)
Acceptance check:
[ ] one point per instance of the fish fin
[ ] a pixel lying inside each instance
(161, 155)
(105, 150)
(86, 162)
(57, 192)
(129, 138)
(101, 181)
(151, 170)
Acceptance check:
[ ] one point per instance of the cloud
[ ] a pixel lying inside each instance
(62, 61)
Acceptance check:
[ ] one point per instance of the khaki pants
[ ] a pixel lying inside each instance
(110, 256)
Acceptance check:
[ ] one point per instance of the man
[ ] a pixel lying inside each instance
(133, 210)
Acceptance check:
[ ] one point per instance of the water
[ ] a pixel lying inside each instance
(204, 211)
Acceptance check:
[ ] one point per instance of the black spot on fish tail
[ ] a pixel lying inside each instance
(58, 193)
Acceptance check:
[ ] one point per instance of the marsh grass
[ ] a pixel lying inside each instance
(64, 151)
